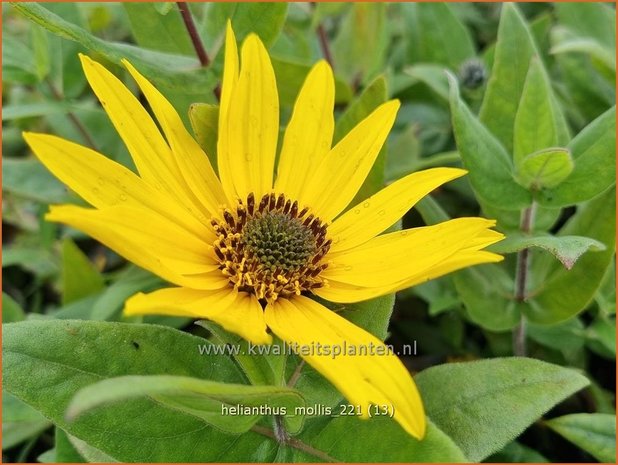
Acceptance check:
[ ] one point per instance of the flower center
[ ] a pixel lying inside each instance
(271, 249)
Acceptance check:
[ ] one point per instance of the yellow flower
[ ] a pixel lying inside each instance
(247, 251)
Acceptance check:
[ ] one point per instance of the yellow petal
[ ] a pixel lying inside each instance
(148, 240)
(363, 379)
(191, 159)
(237, 312)
(385, 259)
(104, 183)
(248, 130)
(382, 210)
(149, 151)
(229, 81)
(348, 293)
(336, 180)
(309, 134)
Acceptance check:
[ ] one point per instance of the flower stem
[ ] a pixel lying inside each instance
(294, 378)
(324, 45)
(192, 30)
(521, 281)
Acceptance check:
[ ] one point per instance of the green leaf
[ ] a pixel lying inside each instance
(265, 19)
(590, 92)
(588, 46)
(49, 456)
(602, 332)
(152, 30)
(544, 169)
(291, 76)
(257, 369)
(163, 8)
(66, 355)
(174, 73)
(40, 49)
(437, 35)
(489, 165)
(567, 249)
(379, 440)
(79, 276)
(563, 293)
(28, 110)
(65, 452)
(29, 179)
(594, 20)
(432, 76)
(593, 151)
(206, 400)
(112, 299)
(372, 315)
(593, 432)
(19, 421)
(537, 124)
(11, 310)
(18, 64)
(565, 337)
(88, 453)
(359, 47)
(516, 452)
(33, 258)
(486, 291)
(514, 49)
(484, 405)
(204, 118)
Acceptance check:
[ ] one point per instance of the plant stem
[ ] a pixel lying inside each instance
(295, 443)
(323, 39)
(192, 30)
(324, 45)
(294, 378)
(74, 119)
(521, 281)
(198, 46)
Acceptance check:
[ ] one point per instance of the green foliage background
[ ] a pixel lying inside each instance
(520, 95)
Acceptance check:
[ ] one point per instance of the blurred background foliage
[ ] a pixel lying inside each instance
(514, 65)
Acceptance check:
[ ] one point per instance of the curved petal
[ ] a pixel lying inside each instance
(149, 151)
(376, 377)
(382, 210)
(386, 259)
(148, 240)
(237, 312)
(249, 127)
(191, 159)
(347, 293)
(336, 180)
(309, 134)
(104, 183)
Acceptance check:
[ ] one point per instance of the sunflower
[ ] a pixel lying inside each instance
(248, 249)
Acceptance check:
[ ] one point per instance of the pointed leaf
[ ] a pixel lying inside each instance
(484, 405)
(437, 35)
(567, 249)
(594, 154)
(536, 122)
(563, 293)
(488, 162)
(544, 169)
(593, 432)
(207, 400)
(514, 49)
(79, 276)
